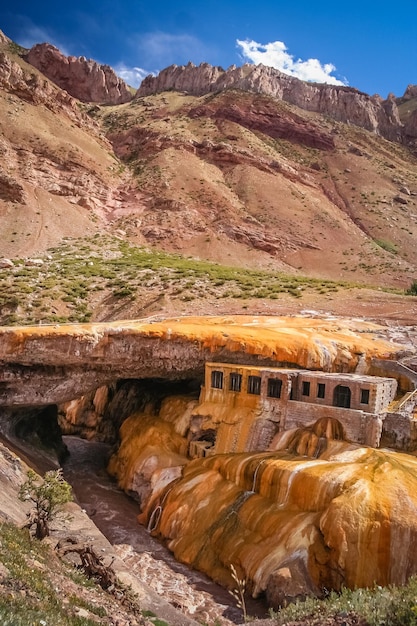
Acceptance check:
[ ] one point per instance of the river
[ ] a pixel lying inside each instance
(115, 514)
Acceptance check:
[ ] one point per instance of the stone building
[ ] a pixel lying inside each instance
(245, 406)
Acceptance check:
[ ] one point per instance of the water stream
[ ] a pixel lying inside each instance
(115, 514)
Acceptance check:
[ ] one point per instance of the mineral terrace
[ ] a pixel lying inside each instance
(260, 442)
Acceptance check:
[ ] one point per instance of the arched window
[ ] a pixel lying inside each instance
(341, 396)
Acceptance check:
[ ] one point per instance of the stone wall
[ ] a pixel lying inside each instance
(400, 432)
(248, 416)
(381, 390)
(358, 426)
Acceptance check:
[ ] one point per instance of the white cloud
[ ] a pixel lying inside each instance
(133, 76)
(275, 54)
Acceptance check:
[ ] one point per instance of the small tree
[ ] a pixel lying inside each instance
(48, 496)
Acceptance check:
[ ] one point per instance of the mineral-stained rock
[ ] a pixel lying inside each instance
(311, 512)
(55, 364)
(83, 79)
(150, 447)
(345, 518)
(289, 584)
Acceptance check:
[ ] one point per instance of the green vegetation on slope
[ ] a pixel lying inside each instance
(382, 606)
(77, 277)
(30, 590)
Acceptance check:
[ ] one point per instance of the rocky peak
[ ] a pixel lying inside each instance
(410, 92)
(32, 87)
(3, 38)
(82, 78)
(344, 104)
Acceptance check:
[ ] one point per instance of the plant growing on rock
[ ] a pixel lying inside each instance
(48, 496)
(239, 592)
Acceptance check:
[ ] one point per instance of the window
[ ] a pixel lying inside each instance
(321, 390)
(341, 397)
(305, 388)
(364, 396)
(217, 379)
(235, 382)
(254, 385)
(274, 387)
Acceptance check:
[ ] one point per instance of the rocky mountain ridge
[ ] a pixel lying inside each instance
(236, 177)
(89, 81)
(83, 78)
(344, 104)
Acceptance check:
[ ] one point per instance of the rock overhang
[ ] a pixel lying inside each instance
(52, 364)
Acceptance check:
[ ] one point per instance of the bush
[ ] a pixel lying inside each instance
(412, 290)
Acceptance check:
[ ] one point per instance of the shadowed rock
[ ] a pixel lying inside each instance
(54, 364)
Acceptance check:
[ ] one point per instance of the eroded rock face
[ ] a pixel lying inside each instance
(35, 89)
(343, 104)
(410, 92)
(263, 115)
(55, 364)
(291, 525)
(82, 78)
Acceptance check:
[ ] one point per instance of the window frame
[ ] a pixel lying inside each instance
(235, 382)
(274, 383)
(321, 390)
(217, 378)
(254, 385)
(305, 388)
(365, 393)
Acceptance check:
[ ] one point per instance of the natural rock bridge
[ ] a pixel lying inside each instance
(345, 512)
(52, 364)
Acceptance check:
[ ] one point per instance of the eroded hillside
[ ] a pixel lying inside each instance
(234, 177)
(245, 179)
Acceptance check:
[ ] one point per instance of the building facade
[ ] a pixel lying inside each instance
(247, 406)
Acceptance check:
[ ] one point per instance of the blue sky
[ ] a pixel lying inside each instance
(370, 45)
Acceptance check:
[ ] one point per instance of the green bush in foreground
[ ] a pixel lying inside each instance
(382, 606)
(412, 290)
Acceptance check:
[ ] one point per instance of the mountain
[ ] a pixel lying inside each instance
(246, 167)
(342, 104)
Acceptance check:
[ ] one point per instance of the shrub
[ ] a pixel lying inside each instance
(387, 245)
(412, 290)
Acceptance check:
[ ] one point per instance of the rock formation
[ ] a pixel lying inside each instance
(343, 517)
(211, 177)
(55, 159)
(343, 104)
(55, 364)
(34, 88)
(83, 79)
(410, 92)
(226, 508)
(264, 116)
